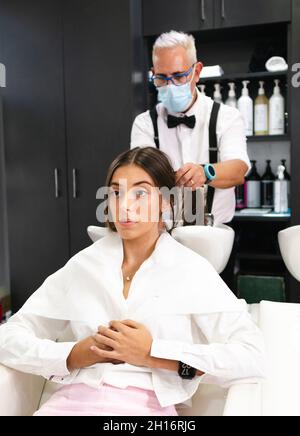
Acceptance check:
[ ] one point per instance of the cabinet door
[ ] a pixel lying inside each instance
(98, 102)
(34, 134)
(235, 13)
(163, 15)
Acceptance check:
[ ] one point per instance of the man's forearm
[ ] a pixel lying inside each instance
(229, 174)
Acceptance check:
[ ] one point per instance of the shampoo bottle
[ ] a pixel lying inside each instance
(261, 118)
(281, 192)
(245, 106)
(287, 177)
(217, 93)
(252, 188)
(202, 89)
(231, 100)
(267, 187)
(277, 112)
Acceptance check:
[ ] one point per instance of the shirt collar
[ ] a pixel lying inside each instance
(113, 252)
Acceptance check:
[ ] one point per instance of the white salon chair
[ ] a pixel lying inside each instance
(213, 243)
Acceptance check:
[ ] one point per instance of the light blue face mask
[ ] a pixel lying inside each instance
(176, 98)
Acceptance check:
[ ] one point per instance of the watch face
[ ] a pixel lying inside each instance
(212, 171)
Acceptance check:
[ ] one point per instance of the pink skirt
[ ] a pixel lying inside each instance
(82, 400)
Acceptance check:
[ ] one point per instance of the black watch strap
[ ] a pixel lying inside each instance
(186, 371)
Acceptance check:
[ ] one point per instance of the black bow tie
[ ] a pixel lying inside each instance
(175, 121)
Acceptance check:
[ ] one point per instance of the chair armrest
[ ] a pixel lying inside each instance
(244, 400)
(20, 393)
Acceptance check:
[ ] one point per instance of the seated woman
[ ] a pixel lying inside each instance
(132, 324)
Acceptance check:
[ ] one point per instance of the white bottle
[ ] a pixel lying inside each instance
(245, 106)
(231, 101)
(261, 113)
(217, 93)
(281, 192)
(202, 88)
(276, 119)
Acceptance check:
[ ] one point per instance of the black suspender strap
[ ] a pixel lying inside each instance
(213, 151)
(154, 116)
(213, 145)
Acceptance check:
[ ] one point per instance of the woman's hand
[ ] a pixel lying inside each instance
(81, 355)
(130, 342)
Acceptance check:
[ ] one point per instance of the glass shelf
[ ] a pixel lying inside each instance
(244, 76)
(269, 138)
(271, 216)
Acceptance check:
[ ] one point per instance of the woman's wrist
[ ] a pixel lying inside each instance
(156, 363)
(171, 365)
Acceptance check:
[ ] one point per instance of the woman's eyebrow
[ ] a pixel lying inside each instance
(135, 184)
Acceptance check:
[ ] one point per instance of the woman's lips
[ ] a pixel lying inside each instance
(127, 223)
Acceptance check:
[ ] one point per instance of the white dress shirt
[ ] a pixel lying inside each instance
(191, 314)
(184, 145)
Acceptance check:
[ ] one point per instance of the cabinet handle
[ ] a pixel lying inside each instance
(223, 10)
(56, 182)
(203, 17)
(74, 172)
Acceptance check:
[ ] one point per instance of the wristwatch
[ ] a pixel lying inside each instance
(186, 371)
(210, 172)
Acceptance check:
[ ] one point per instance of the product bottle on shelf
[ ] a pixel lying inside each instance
(287, 177)
(281, 192)
(261, 112)
(217, 93)
(231, 100)
(240, 197)
(277, 112)
(202, 89)
(253, 188)
(245, 106)
(267, 187)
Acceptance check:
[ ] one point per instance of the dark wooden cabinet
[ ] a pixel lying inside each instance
(4, 274)
(99, 106)
(34, 132)
(195, 15)
(162, 15)
(236, 13)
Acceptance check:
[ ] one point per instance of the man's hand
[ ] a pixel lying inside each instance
(81, 355)
(130, 342)
(191, 176)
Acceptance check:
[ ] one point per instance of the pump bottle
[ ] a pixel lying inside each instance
(277, 113)
(245, 106)
(261, 117)
(231, 101)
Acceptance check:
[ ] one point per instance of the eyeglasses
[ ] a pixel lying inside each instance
(178, 79)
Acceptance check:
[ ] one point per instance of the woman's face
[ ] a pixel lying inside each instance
(134, 202)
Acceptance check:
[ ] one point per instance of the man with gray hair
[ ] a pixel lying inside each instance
(205, 141)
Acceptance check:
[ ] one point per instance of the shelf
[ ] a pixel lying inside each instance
(259, 256)
(244, 76)
(269, 138)
(284, 217)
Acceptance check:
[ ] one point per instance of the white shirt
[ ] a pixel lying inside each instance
(191, 314)
(184, 145)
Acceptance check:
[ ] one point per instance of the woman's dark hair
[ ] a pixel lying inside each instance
(155, 162)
